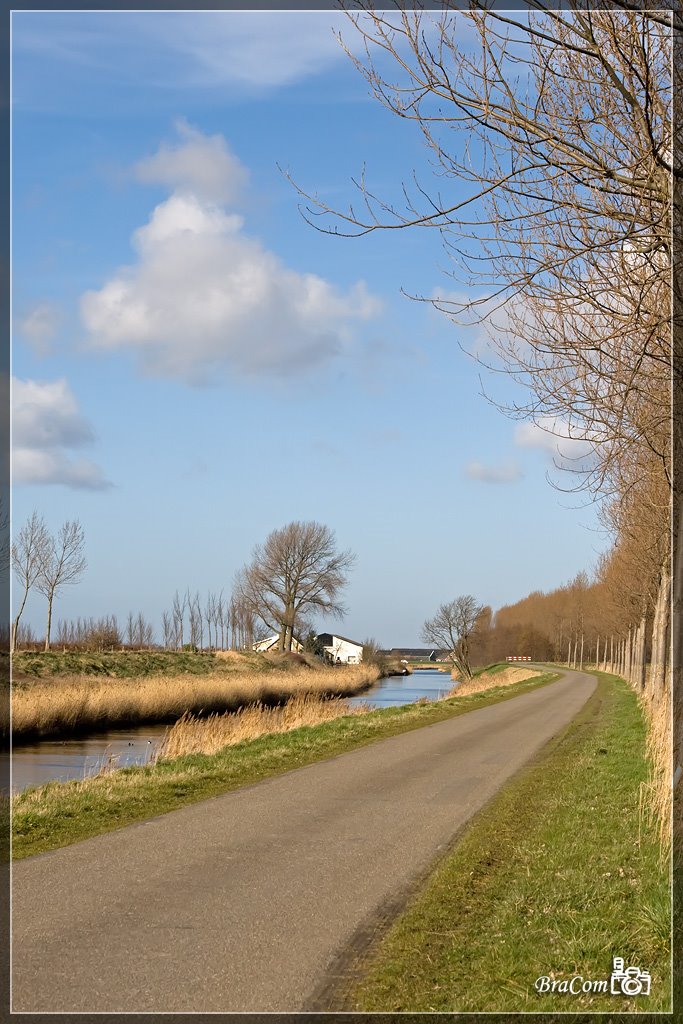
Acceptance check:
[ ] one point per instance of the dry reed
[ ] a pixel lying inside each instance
(192, 735)
(655, 794)
(78, 703)
(490, 681)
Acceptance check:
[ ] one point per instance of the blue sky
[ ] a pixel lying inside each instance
(194, 366)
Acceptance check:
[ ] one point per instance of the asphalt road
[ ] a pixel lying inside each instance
(248, 901)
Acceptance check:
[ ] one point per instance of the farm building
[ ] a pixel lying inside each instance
(340, 650)
(415, 654)
(272, 643)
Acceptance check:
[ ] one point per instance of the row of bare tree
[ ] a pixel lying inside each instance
(215, 621)
(555, 136)
(105, 633)
(599, 622)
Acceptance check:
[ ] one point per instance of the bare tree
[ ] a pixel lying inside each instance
(29, 553)
(63, 565)
(178, 614)
(209, 616)
(196, 621)
(100, 634)
(563, 132)
(167, 629)
(452, 629)
(297, 570)
(139, 630)
(144, 631)
(25, 636)
(130, 629)
(241, 621)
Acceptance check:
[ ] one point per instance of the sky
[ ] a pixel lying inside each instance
(194, 365)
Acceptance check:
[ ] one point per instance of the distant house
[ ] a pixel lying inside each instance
(414, 653)
(272, 643)
(340, 650)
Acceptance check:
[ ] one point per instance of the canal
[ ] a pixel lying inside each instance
(34, 764)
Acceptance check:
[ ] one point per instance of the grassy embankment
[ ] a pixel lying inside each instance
(113, 691)
(59, 813)
(121, 664)
(558, 874)
(497, 675)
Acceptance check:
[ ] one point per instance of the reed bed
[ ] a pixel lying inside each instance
(655, 794)
(490, 681)
(193, 735)
(83, 703)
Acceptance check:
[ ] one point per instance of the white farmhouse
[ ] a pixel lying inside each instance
(272, 643)
(340, 650)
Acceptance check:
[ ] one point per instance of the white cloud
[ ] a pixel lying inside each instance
(258, 49)
(556, 438)
(200, 165)
(46, 424)
(39, 326)
(503, 473)
(205, 298)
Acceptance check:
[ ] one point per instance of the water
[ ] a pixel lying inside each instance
(396, 690)
(34, 764)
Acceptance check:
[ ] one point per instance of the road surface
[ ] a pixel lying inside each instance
(251, 901)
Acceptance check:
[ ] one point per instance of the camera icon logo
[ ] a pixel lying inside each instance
(629, 981)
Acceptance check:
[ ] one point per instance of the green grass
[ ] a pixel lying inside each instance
(128, 664)
(554, 877)
(65, 812)
(497, 666)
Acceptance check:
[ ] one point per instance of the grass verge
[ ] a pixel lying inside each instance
(61, 813)
(553, 878)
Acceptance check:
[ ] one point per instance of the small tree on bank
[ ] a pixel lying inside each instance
(29, 552)
(64, 564)
(452, 628)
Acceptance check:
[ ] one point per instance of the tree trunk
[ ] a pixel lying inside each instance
(640, 680)
(629, 657)
(49, 621)
(659, 634)
(581, 652)
(15, 625)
